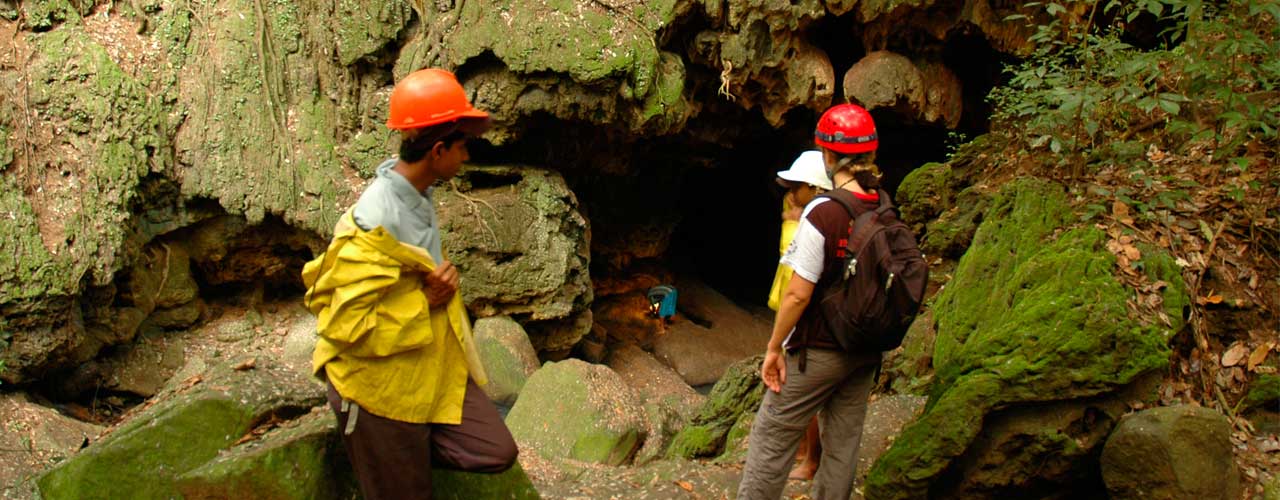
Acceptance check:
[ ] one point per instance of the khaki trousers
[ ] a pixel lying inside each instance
(837, 384)
(393, 459)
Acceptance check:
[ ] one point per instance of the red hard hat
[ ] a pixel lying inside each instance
(429, 97)
(847, 128)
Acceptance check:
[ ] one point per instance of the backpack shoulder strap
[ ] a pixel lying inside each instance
(846, 200)
(864, 222)
(886, 204)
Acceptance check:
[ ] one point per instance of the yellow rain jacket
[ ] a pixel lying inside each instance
(782, 277)
(380, 343)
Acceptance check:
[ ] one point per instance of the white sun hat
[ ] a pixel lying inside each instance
(809, 169)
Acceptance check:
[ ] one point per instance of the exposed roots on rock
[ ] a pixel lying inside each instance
(724, 82)
(474, 209)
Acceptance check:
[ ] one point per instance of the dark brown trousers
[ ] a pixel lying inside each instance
(393, 459)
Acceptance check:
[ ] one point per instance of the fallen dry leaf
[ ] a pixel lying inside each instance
(1259, 355)
(685, 485)
(1209, 299)
(1132, 252)
(248, 364)
(1235, 354)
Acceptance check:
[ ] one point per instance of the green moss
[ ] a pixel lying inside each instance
(1266, 389)
(735, 443)
(257, 127)
(564, 413)
(698, 440)
(589, 43)
(513, 484)
(364, 27)
(664, 108)
(1034, 313)
(924, 193)
(27, 270)
(737, 393)
(43, 15)
(142, 459)
(115, 127)
(297, 462)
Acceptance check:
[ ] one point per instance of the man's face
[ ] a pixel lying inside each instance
(449, 159)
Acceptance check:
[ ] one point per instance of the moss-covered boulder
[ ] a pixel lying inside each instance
(513, 484)
(185, 430)
(736, 396)
(304, 459)
(576, 61)
(1265, 389)
(938, 201)
(1033, 314)
(516, 235)
(573, 409)
(910, 369)
(668, 401)
(1170, 453)
(300, 460)
(508, 357)
(70, 232)
(1271, 490)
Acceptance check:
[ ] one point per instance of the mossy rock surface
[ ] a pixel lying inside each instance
(1170, 453)
(911, 368)
(573, 409)
(925, 192)
(513, 484)
(516, 234)
(1265, 389)
(187, 429)
(738, 393)
(508, 357)
(66, 228)
(1033, 314)
(299, 461)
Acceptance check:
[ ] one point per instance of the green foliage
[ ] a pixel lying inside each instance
(1084, 93)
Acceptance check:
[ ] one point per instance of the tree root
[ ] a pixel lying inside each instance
(473, 206)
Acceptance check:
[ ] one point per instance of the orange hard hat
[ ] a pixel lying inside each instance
(429, 97)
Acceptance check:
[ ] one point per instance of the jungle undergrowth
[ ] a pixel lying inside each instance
(1169, 149)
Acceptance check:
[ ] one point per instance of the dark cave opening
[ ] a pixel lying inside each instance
(835, 35)
(980, 68)
(708, 191)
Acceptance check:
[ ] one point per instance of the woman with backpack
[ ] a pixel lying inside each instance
(807, 366)
(805, 180)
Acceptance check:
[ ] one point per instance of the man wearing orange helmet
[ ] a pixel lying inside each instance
(394, 340)
(804, 368)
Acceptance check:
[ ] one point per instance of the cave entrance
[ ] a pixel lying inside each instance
(730, 222)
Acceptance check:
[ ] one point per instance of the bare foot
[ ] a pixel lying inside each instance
(803, 471)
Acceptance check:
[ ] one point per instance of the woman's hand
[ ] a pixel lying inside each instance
(774, 369)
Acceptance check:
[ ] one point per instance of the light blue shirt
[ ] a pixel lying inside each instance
(392, 202)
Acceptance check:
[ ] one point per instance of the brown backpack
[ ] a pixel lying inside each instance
(870, 305)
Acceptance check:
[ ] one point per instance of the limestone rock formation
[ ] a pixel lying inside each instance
(40, 435)
(146, 456)
(927, 92)
(1055, 327)
(668, 401)
(1171, 452)
(300, 460)
(572, 409)
(735, 397)
(507, 355)
(517, 236)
